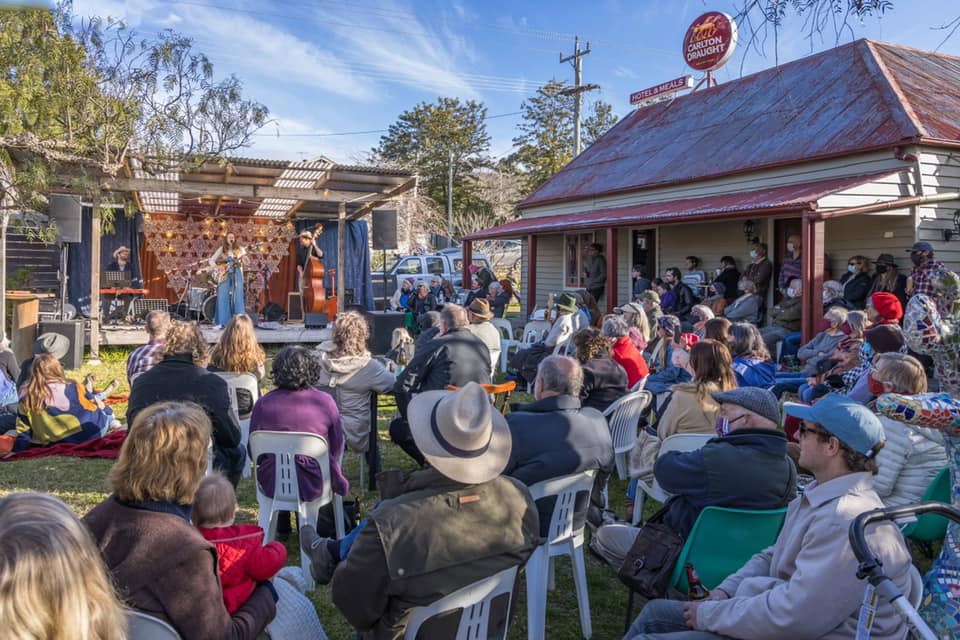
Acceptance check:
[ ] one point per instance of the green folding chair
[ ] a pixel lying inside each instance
(722, 540)
(931, 527)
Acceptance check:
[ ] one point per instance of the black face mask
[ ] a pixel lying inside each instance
(916, 259)
(881, 268)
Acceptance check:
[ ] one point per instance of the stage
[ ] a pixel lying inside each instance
(287, 333)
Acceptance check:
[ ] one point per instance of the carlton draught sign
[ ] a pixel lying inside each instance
(710, 41)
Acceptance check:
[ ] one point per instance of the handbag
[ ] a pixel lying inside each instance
(647, 567)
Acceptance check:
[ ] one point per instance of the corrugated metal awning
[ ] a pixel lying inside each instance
(788, 199)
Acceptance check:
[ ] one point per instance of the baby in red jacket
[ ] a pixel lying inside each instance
(243, 559)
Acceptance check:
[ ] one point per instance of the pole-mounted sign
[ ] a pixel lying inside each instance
(710, 41)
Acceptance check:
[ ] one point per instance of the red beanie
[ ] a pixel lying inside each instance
(887, 305)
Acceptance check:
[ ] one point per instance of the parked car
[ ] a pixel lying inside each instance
(447, 264)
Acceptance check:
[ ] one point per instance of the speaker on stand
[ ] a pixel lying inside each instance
(384, 237)
(65, 212)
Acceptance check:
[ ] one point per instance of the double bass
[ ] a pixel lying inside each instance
(315, 298)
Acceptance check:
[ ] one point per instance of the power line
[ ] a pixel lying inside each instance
(358, 133)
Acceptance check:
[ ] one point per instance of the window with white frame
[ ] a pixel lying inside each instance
(575, 247)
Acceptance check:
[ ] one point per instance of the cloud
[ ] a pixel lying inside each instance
(244, 44)
(622, 72)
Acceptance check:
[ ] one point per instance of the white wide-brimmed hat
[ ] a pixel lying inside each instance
(460, 434)
(120, 250)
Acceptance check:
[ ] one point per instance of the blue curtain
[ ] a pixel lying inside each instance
(78, 255)
(357, 263)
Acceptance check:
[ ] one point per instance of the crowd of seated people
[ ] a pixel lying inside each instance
(474, 465)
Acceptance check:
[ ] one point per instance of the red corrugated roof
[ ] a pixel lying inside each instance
(760, 203)
(854, 98)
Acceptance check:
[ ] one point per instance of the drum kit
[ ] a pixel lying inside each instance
(201, 296)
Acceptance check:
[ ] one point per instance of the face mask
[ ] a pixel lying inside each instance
(753, 254)
(718, 270)
(790, 247)
(826, 297)
(741, 286)
(791, 293)
(916, 259)
(876, 387)
(722, 425)
(852, 268)
(881, 268)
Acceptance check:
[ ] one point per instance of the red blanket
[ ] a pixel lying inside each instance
(106, 447)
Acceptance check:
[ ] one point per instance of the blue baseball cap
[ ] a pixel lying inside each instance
(852, 423)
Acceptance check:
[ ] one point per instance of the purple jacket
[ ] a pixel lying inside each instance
(306, 411)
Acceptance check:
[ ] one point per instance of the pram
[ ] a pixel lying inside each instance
(882, 588)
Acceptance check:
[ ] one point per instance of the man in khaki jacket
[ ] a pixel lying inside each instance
(805, 585)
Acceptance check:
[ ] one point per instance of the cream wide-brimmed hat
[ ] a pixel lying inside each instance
(120, 250)
(460, 433)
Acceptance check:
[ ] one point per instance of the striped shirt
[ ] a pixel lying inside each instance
(789, 270)
(143, 358)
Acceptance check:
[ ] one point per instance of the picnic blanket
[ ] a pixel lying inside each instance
(106, 447)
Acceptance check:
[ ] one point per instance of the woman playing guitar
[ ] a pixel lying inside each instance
(227, 265)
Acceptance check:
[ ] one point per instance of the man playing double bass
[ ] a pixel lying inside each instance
(306, 248)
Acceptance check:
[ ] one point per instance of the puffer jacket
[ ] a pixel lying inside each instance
(351, 380)
(908, 463)
(243, 561)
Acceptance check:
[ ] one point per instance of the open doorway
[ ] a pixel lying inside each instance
(782, 229)
(643, 251)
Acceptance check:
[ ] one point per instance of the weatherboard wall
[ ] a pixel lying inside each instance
(796, 174)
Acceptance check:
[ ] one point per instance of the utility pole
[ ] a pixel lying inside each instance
(450, 201)
(578, 88)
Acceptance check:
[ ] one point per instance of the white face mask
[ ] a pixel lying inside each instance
(753, 254)
(826, 297)
(718, 270)
(791, 293)
(852, 268)
(790, 247)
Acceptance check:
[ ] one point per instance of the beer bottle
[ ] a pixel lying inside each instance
(696, 591)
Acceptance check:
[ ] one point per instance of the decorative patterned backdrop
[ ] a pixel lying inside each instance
(182, 245)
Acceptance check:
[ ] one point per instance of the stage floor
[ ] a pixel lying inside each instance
(290, 333)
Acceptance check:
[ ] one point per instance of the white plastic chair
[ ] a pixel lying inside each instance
(676, 442)
(534, 331)
(285, 446)
(145, 627)
(475, 601)
(241, 381)
(562, 540)
(210, 456)
(507, 343)
(641, 383)
(623, 417)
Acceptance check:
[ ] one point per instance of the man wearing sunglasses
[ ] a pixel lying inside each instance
(806, 585)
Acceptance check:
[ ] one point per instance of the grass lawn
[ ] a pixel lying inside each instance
(81, 483)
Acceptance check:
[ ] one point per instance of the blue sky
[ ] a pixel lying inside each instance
(335, 67)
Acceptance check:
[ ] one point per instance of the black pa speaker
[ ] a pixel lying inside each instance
(65, 212)
(384, 229)
(72, 330)
(272, 312)
(382, 325)
(315, 320)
